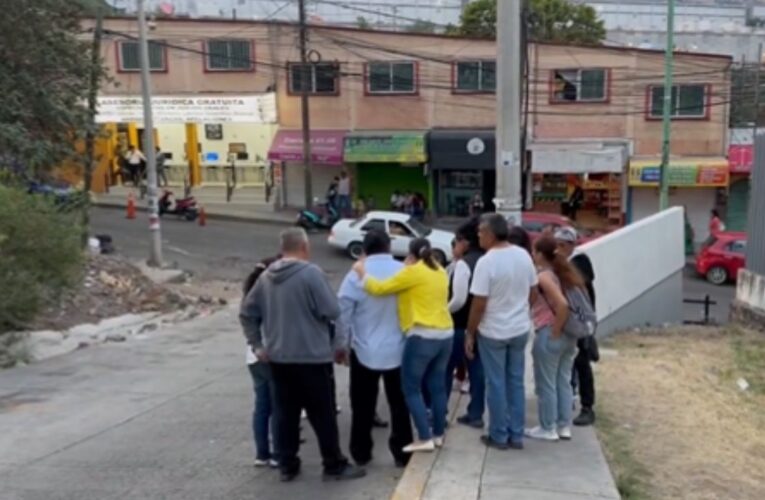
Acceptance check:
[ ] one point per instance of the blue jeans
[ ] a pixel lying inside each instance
(425, 361)
(263, 416)
(504, 364)
(553, 361)
(477, 403)
(343, 204)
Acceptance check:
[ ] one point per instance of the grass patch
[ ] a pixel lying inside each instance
(632, 477)
(749, 357)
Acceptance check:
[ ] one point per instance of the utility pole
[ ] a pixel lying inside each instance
(155, 255)
(508, 199)
(90, 136)
(305, 111)
(667, 109)
(756, 121)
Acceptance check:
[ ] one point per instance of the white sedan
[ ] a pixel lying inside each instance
(348, 234)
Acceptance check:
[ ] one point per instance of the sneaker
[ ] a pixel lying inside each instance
(585, 418)
(347, 473)
(564, 433)
(465, 387)
(470, 422)
(303, 415)
(262, 463)
(514, 445)
(420, 446)
(541, 434)
(438, 441)
(489, 442)
(274, 464)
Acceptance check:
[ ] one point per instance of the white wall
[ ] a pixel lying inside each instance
(631, 261)
(645, 203)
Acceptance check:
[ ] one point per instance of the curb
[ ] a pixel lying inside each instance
(412, 484)
(258, 219)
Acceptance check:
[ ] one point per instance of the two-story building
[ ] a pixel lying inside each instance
(416, 112)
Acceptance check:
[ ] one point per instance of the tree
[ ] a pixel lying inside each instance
(362, 23)
(45, 70)
(421, 26)
(558, 21)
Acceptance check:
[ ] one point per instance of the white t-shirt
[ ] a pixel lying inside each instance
(505, 276)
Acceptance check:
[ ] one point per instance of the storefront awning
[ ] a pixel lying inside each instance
(326, 146)
(385, 147)
(683, 172)
(578, 158)
(461, 149)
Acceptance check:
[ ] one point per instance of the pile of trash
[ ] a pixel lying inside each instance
(111, 286)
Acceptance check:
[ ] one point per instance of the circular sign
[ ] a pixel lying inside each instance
(476, 146)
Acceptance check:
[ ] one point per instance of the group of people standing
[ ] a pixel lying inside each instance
(411, 325)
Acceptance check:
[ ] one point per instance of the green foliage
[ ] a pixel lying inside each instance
(44, 77)
(558, 21)
(40, 255)
(362, 23)
(421, 26)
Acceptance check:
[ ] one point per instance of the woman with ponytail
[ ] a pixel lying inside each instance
(422, 289)
(553, 351)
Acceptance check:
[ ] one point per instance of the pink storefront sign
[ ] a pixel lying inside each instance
(741, 157)
(326, 146)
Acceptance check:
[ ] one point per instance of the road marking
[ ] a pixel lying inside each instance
(179, 250)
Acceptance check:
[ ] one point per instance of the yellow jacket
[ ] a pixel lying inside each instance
(423, 295)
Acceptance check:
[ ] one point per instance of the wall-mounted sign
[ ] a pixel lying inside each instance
(476, 146)
(190, 109)
(394, 147)
(682, 173)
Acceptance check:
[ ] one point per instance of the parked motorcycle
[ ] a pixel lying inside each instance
(185, 207)
(323, 216)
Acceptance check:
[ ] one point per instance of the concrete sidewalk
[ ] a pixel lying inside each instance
(465, 469)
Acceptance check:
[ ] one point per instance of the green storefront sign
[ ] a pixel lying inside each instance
(400, 147)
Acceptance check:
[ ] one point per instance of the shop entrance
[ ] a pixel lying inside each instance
(593, 200)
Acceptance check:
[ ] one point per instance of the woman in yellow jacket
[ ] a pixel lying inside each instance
(423, 295)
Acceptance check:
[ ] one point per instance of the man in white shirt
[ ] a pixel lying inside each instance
(377, 346)
(344, 194)
(135, 160)
(503, 286)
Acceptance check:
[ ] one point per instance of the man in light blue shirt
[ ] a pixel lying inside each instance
(377, 345)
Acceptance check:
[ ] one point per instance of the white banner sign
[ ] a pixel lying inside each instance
(190, 109)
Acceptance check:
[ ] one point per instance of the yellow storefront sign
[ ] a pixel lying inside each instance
(684, 172)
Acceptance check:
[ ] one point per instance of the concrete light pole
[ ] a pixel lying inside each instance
(508, 153)
(667, 109)
(155, 255)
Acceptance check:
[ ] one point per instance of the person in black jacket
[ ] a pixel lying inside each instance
(467, 251)
(566, 238)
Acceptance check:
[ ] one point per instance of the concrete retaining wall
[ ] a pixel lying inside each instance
(749, 306)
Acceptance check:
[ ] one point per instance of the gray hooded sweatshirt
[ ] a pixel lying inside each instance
(289, 312)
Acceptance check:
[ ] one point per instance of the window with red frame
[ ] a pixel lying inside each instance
(229, 55)
(316, 79)
(580, 85)
(130, 59)
(688, 101)
(391, 78)
(475, 76)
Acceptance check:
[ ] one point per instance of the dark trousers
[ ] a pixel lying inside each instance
(365, 383)
(583, 375)
(475, 409)
(309, 387)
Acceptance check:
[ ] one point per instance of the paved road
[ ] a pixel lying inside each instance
(226, 250)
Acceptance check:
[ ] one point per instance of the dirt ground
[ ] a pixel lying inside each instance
(675, 422)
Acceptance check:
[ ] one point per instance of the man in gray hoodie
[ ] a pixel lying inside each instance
(287, 320)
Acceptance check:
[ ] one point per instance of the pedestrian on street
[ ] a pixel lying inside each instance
(332, 192)
(553, 350)
(588, 347)
(504, 281)
(466, 252)
(286, 319)
(264, 415)
(344, 194)
(161, 168)
(423, 291)
(715, 222)
(377, 346)
(135, 161)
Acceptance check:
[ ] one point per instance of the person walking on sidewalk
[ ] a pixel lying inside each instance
(264, 415)
(135, 162)
(588, 347)
(553, 350)
(377, 346)
(344, 194)
(466, 253)
(286, 319)
(504, 282)
(423, 290)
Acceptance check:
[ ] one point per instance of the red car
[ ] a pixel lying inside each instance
(536, 222)
(721, 256)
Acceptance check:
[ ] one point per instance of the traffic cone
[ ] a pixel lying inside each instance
(131, 206)
(202, 216)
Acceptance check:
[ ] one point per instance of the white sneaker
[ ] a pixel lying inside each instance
(438, 441)
(564, 433)
(465, 387)
(303, 414)
(420, 446)
(261, 463)
(541, 434)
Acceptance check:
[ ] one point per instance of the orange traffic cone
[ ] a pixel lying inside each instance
(131, 206)
(202, 216)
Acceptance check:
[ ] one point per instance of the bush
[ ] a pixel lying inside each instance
(40, 255)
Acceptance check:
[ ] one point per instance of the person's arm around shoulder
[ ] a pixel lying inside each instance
(403, 280)
(557, 301)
